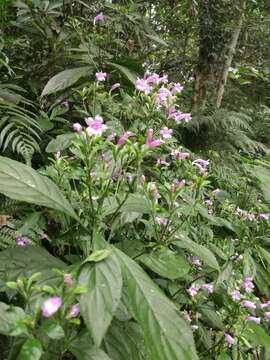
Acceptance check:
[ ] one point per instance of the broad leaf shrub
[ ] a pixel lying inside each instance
(126, 249)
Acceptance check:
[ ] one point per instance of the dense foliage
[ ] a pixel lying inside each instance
(134, 180)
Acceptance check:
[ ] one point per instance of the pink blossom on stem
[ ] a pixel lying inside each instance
(194, 260)
(257, 320)
(124, 137)
(154, 191)
(98, 18)
(201, 164)
(150, 142)
(177, 88)
(162, 221)
(207, 287)
(267, 315)
(68, 280)
(264, 216)
(101, 76)
(95, 125)
(162, 162)
(111, 137)
(247, 284)
(77, 127)
(236, 295)
(166, 133)
(74, 311)
(152, 79)
(180, 155)
(115, 86)
(248, 304)
(193, 290)
(22, 240)
(142, 85)
(230, 340)
(51, 306)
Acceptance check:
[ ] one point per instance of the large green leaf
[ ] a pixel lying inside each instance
(31, 350)
(130, 74)
(9, 316)
(166, 334)
(60, 143)
(22, 183)
(25, 261)
(257, 335)
(104, 283)
(203, 252)
(124, 341)
(166, 263)
(65, 79)
(137, 203)
(83, 348)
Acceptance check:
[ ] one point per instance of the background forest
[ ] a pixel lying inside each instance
(134, 179)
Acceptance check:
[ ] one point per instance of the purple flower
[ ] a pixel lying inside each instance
(22, 240)
(247, 284)
(201, 164)
(152, 79)
(115, 86)
(267, 315)
(124, 137)
(98, 18)
(177, 154)
(142, 85)
(101, 76)
(150, 142)
(74, 311)
(111, 137)
(154, 191)
(178, 116)
(257, 320)
(77, 127)
(162, 221)
(229, 339)
(236, 295)
(193, 290)
(51, 306)
(177, 88)
(162, 162)
(162, 96)
(207, 287)
(68, 280)
(166, 133)
(265, 305)
(95, 125)
(248, 304)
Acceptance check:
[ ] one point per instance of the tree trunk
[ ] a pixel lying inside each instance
(229, 58)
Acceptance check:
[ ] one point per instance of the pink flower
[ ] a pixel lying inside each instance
(201, 164)
(22, 240)
(193, 290)
(101, 76)
(77, 127)
(177, 154)
(177, 88)
(68, 280)
(257, 320)
(51, 306)
(162, 96)
(248, 304)
(236, 295)
(229, 339)
(207, 287)
(115, 86)
(111, 137)
(142, 85)
(178, 116)
(152, 79)
(267, 315)
(265, 305)
(124, 137)
(154, 191)
(247, 284)
(166, 133)
(95, 125)
(98, 18)
(163, 79)
(74, 311)
(176, 184)
(162, 221)
(150, 142)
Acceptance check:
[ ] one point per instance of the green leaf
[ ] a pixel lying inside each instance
(97, 256)
(64, 80)
(137, 203)
(166, 334)
(60, 143)
(249, 266)
(104, 283)
(203, 252)
(25, 261)
(156, 39)
(166, 263)
(130, 74)
(124, 341)
(22, 183)
(9, 317)
(31, 350)
(257, 335)
(83, 348)
(265, 254)
(212, 318)
(52, 330)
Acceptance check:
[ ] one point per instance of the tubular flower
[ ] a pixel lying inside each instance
(51, 306)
